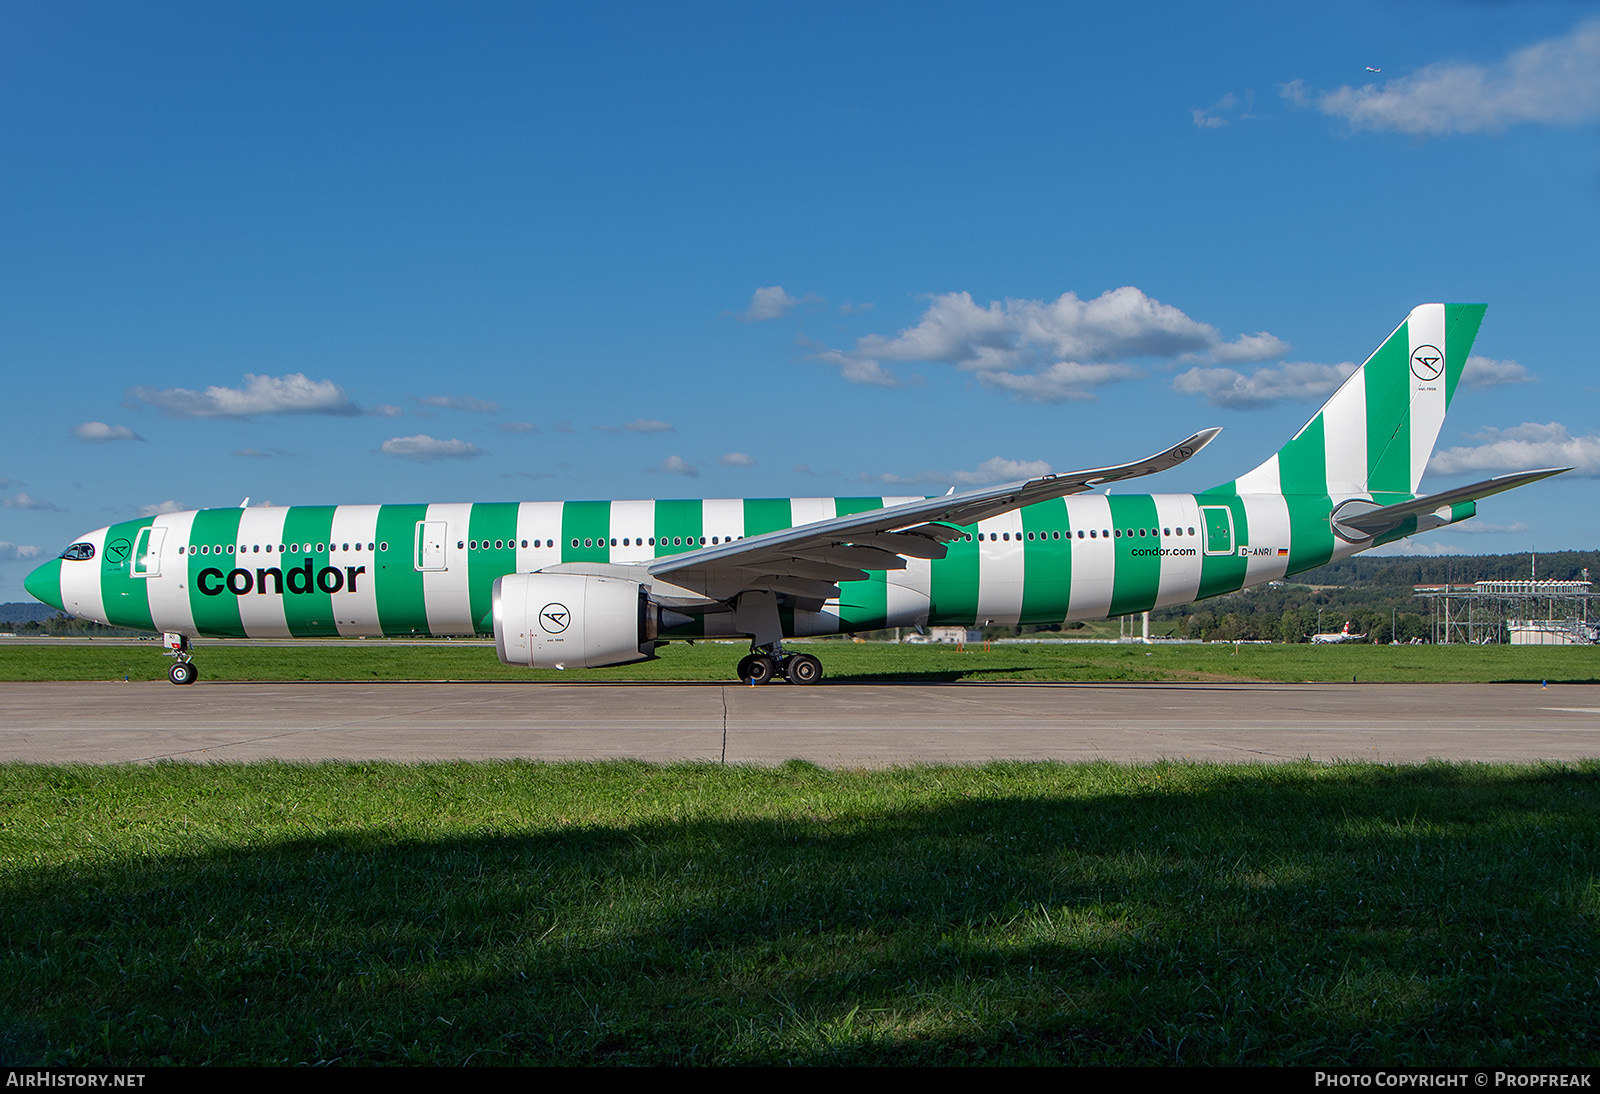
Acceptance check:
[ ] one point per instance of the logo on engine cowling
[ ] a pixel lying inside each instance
(553, 618)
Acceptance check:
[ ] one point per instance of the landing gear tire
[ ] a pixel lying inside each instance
(757, 669)
(802, 668)
(183, 672)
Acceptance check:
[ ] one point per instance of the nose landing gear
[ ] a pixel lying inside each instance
(183, 670)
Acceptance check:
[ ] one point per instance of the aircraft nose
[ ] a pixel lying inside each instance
(44, 584)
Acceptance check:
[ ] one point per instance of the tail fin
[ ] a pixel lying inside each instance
(1374, 436)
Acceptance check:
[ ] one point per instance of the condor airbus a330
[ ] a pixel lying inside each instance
(594, 583)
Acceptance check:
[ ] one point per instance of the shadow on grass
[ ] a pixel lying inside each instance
(1350, 915)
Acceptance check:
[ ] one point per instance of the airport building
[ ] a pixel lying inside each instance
(1520, 613)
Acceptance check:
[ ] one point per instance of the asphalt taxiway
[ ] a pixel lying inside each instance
(839, 724)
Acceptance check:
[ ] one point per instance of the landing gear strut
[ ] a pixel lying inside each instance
(765, 662)
(183, 670)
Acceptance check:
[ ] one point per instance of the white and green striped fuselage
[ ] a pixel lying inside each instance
(598, 583)
(352, 570)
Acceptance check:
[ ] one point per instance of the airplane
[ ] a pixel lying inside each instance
(1337, 637)
(586, 584)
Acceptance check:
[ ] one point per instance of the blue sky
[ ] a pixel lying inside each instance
(316, 253)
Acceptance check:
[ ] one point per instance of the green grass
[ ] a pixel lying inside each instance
(514, 913)
(844, 662)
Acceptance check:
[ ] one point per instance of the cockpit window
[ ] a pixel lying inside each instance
(79, 552)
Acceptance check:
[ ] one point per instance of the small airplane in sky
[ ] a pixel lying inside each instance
(585, 584)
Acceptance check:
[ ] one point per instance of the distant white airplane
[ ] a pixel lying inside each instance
(585, 584)
(1371, 69)
(1337, 637)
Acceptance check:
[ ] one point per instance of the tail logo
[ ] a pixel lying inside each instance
(1427, 362)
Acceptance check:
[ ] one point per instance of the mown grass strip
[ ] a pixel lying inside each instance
(627, 913)
(843, 661)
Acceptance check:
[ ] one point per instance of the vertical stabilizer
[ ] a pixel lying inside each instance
(1374, 436)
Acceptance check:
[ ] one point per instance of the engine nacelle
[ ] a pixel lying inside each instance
(550, 621)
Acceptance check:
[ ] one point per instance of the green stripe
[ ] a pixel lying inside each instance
(1405, 528)
(1461, 322)
(1046, 563)
(683, 521)
(1310, 535)
(585, 520)
(953, 584)
(396, 579)
(1138, 573)
(217, 615)
(309, 614)
(763, 515)
(1303, 462)
(126, 598)
(863, 605)
(1225, 573)
(493, 525)
(1387, 375)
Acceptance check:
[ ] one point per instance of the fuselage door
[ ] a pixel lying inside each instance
(1218, 521)
(147, 552)
(431, 536)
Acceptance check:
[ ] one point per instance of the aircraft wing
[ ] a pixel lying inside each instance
(807, 562)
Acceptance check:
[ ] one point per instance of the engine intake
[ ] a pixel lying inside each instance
(552, 621)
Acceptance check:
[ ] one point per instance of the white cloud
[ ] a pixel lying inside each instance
(1554, 82)
(1415, 547)
(771, 302)
(17, 552)
(518, 427)
(161, 508)
(1300, 381)
(1526, 447)
(1260, 346)
(736, 459)
(259, 453)
(458, 402)
(676, 465)
(28, 501)
(639, 425)
(1060, 382)
(1012, 344)
(1212, 116)
(994, 469)
(1487, 372)
(100, 432)
(291, 394)
(424, 447)
(1477, 527)
(858, 370)
(386, 410)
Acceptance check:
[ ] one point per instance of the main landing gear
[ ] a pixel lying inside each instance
(183, 670)
(765, 662)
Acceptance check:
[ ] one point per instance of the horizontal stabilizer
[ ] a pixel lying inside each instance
(1354, 522)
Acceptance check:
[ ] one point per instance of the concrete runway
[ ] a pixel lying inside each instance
(842, 725)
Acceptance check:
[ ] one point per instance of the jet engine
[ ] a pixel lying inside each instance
(562, 620)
